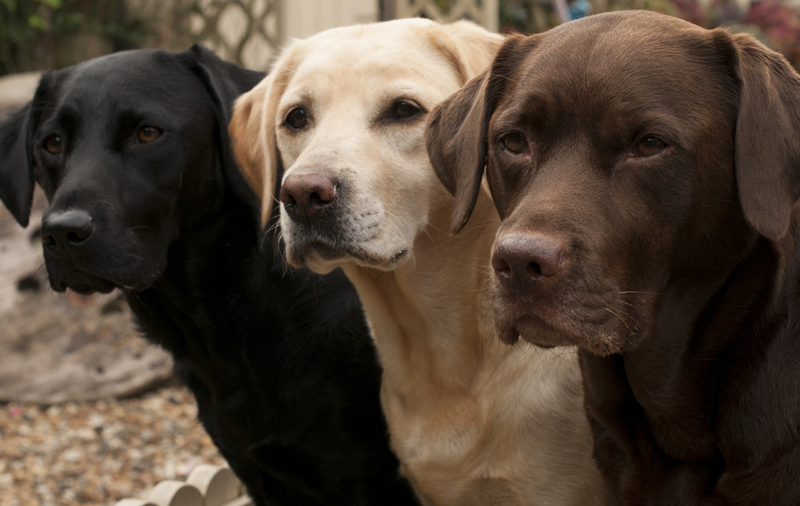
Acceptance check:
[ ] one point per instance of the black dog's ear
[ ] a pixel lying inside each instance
(767, 136)
(16, 164)
(457, 135)
(225, 82)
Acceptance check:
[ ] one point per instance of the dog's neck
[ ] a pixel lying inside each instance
(732, 317)
(186, 297)
(430, 316)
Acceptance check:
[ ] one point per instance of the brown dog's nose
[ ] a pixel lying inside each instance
(66, 230)
(307, 195)
(520, 260)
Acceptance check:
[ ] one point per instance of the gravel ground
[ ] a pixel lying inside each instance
(96, 453)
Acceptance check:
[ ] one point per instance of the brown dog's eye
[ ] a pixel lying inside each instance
(54, 144)
(515, 143)
(649, 146)
(148, 134)
(403, 109)
(297, 119)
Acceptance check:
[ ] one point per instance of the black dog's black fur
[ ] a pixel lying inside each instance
(280, 361)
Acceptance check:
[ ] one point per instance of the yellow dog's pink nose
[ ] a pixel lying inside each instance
(308, 194)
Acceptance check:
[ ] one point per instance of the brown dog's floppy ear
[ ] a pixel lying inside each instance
(456, 142)
(457, 134)
(767, 137)
(252, 132)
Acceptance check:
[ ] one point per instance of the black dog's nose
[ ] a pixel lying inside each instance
(66, 230)
(308, 194)
(521, 260)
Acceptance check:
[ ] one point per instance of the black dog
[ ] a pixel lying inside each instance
(132, 152)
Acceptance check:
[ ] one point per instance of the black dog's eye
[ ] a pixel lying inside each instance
(515, 143)
(54, 144)
(296, 119)
(649, 146)
(148, 134)
(403, 109)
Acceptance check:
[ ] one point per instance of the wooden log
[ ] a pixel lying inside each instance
(218, 484)
(175, 493)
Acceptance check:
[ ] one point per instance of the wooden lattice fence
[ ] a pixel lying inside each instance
(483, 12)
(249, 32)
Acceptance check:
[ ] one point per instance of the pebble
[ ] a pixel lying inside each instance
(96, 453)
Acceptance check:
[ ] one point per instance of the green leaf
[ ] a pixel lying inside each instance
(55, 4)
(36, 21)
(10, 5)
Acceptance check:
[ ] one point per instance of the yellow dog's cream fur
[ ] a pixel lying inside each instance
(473, 422)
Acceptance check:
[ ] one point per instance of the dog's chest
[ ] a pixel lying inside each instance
(474, 448)
(448, 467)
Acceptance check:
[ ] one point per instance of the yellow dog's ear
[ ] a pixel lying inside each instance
(469, 47)
(767, 136)
(252, 132)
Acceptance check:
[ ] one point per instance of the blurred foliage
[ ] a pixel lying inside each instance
(45, 34)
(51, 34)
(773, 22)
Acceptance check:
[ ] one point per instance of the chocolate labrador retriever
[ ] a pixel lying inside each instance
(647, 172)
(133, 154)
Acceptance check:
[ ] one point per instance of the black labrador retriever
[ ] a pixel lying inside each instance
(647, 172)
(132, 152)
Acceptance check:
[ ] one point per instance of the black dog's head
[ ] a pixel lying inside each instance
(124, 147)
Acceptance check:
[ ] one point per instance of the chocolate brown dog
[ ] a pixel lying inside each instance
(647, 172)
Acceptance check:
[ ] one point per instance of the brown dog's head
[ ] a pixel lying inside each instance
(633, 157)
(345, 113)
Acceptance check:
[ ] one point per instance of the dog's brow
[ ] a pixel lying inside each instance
(66, 119)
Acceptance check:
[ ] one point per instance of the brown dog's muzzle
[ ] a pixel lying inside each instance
(527, 262)
(308, 194)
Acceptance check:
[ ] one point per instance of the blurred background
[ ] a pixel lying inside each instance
(52, 34)
(89, 413)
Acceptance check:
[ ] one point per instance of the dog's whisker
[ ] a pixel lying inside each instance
(623, 320)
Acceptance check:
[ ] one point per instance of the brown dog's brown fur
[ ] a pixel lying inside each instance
(679, 269)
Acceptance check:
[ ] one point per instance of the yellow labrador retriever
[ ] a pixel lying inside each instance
(474, 422)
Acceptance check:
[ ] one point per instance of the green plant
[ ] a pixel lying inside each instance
(43, 34)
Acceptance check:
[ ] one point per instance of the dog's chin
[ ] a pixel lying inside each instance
(532, 329)
(547, 334)
(322, 257)
(82, 283)
(86, 284)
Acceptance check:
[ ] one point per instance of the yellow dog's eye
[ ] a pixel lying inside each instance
(148, 134)
(297, 118)
(54, 144)
(649, 146)
(403, 109)
(515, 143)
